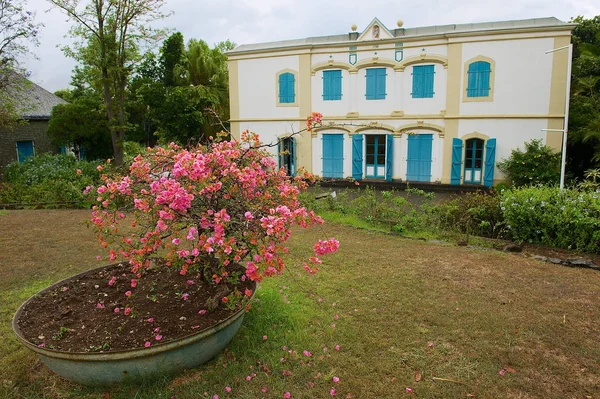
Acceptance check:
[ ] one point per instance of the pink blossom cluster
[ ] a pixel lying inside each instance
(211, 205)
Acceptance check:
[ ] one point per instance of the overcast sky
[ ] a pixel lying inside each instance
(254, 21)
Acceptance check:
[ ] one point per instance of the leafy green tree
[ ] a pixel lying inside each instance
(172, 56)
(82, 122)
(537, 165)
(583, 150)
(110, 33)
(18, 31)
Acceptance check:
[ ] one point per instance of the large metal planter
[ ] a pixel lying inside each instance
(114, 367)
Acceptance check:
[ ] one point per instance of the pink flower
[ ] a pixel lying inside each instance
(147, 344)
(502, 372)
(264, 337)
(336, 317)
(332, 392)
(158, 337)
(128, 294)
(190, 282)
(78, 171)
(248, 378)
(265, 389)
(201, 312)
(337, 347)
(335, 379)
(98, 257)
(157, 329)
(117, 310)
(332, 325)
(112, 281)
(320, 300)
(408, 390)
(100, 306)
(41, 345)
(150, 320)
(287, 395)
(127, 311)
(247, 292)
(185, 296)
(215, 396)
(227, 389)
(176, 241)
(248, 216)
(307, 353)
(133, 283)
(430, 344)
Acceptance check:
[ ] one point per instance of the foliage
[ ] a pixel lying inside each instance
(583, 149)
(477, 213)
(49, 179)
(546, 215)
(17, 32)
(537, 165)
(110, 34)
(591, 182)
(205, 209)
(172, 55)
(82, 122)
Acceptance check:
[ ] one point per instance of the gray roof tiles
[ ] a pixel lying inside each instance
(412, 33)
(39, 102)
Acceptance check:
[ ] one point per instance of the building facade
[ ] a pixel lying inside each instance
(438, 104)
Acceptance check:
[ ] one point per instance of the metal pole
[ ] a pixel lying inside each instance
(566, 126)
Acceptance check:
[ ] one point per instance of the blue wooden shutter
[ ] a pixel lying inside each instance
(456, 161)
(417, 85)
(473, 74)
(332, 85)
(293, 156)
(327, 85)
(286, 87)
(490, 161)
(484, 81)
(371, 84)
(337, 85)
(291, 88)
(428, 77)
(283, 88)
(357, 156)
(389, 159)
(381, 83)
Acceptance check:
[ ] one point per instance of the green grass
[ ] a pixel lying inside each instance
(454, 315)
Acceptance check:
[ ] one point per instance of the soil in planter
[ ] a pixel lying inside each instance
(82, 316)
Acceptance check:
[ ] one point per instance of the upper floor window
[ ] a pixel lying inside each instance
(376, 78)
(479, 79)
(332, 85)
(286, 82)
(422, 83)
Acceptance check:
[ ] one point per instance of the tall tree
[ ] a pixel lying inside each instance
(111, 33)
(171, 57)
(18, 31)
(583, 149)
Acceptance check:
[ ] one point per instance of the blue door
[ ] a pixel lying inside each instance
(24, 150)
(376, 156)
(473, 161)
(419, 157)
(333, 155)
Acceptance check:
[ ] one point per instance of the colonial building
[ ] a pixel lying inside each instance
(439, 104)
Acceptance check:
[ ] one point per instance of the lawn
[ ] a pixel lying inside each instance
(441, 320)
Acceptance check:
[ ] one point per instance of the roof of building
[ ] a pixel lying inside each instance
(481, 27)
(38, 102)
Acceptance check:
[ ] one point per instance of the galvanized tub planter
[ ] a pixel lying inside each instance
(136, 364)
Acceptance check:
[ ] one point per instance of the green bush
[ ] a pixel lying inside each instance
(537, 165)
(477, 213)
(48, 179)
(546, 215)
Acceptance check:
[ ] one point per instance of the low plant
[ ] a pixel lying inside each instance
(538, 164)
(547, 215)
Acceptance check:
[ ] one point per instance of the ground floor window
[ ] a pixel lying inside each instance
(473, 161)
(25, 149)
(333, 155)
(375, 154)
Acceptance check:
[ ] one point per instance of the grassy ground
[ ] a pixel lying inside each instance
(464, 323)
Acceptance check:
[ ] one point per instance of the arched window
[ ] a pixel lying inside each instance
(287, 88)
(479, 79)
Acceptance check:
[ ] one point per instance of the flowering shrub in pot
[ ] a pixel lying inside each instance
(217, 215)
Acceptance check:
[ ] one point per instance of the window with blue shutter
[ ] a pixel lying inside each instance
(332, 85)
(423, 81)
(287, 88)
(376, 82)
(479, 79)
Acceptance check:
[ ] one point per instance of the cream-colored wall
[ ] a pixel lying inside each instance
(521, 78)
(509, 134)
(258, 87)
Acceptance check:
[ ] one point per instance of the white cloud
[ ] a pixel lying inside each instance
(253, 21)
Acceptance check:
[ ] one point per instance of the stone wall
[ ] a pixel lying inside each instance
(33, 130)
